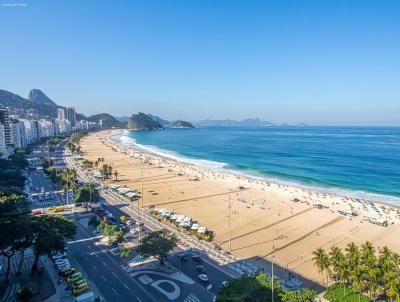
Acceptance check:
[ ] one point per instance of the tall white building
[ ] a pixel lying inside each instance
(3, 147)
(61, 113)
(28, 130)
(5, 120)
(63, 126)
(71, 116)
(17, 134)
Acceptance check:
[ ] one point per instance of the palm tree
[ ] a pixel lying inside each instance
(321, 260)
(338, 263)
(352, 255)
(116, 175)
(358, 281)
(68, 179)
(373, 281)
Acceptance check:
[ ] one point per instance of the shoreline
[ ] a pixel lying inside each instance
(265, 179)
(266, 219)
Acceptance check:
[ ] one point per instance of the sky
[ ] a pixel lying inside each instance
(318, 62)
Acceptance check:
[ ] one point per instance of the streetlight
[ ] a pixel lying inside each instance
(230, 232)
(272, 264)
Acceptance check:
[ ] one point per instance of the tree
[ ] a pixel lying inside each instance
(337, 260)
(116, 175)
(321, 260)
(306, 295)
(68, 180)
(357, 278)
(50, 232)
(87, 194)
(157, 244)
(125, 252)
(13, 224)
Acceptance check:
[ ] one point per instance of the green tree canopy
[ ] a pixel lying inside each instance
(157, 244)
(87, 194)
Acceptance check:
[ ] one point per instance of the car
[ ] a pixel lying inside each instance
(203, 277)
(128, 222)
(80, 289)
(133, 231)
(139, 223)
(79, 282)
(64, 266)
(183, 257)
(59, 265)
(67, 271)
(60, 260)
(74, 277)
(59, 256)
(196, 258)
(52, 208)
(200, 269)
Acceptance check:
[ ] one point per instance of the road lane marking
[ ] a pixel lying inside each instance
(86, 257)
(104, 278)
(115, 275)
(94, 268)
(89, 246)
(125, 286)
(115, 292)
(140, 300)
(105, 264)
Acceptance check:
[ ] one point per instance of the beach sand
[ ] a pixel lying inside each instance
(265, 221)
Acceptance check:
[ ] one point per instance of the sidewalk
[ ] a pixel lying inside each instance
(61, 294)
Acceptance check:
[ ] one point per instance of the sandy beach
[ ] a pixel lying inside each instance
(267, 219)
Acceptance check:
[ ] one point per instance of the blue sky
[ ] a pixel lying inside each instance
(319, 62)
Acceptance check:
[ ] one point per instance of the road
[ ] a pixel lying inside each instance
(99, 266)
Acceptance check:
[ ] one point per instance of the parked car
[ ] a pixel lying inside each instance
(200, 269)
(80, 289)
(74, 277)
(196, 258)
(59, 256)
(67, 271)
(203, 277)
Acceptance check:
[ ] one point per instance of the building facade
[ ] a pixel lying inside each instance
(71, 116)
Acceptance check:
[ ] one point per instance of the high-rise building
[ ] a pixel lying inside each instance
(3, 147)
(5, 120)
(61, 113)
(71, 116)
(17, 133)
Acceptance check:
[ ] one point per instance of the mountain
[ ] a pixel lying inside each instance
(26, 108)
(37, 96)
(123, 119)
(142, 122)
(181, 124)
(108, 120)
(159, 120)
(232, 123)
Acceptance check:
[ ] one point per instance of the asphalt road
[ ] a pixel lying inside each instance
(215, 275)
(113, 283)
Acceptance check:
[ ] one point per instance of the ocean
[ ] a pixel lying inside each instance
(361, 162)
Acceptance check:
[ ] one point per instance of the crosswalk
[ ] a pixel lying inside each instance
(29, 258)
(84, 222)
(45, 204)
(191, 298)
(11, 291)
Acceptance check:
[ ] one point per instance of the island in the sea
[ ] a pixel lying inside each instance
(181, 124)
(142, 122)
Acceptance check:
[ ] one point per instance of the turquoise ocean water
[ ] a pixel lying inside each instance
(362, 162)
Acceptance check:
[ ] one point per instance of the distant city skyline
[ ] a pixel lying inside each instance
(314, 62)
